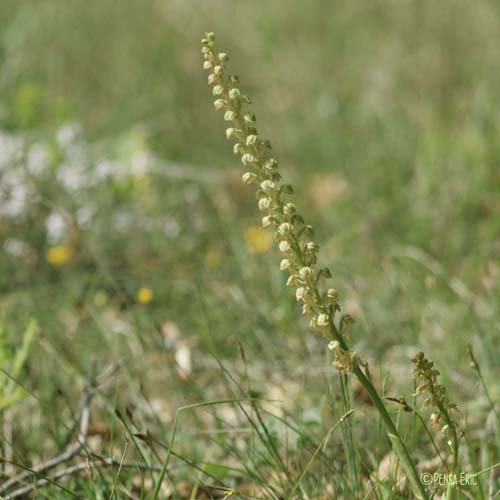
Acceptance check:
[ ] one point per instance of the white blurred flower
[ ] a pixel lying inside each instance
(141, 163)
(38, 159)
(84, 214)
(68, 134)
(171, 228)
(56, 227)
(15, 247)
(72, 176)
(14, 194)
(104, 169)
(10, 145)
(122, 220)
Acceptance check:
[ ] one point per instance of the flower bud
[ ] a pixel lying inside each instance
(307, 309)
(267, 221)
(284, 246)
(310, 259)
(324, 273)
(249, 177)
(267, 185)
(264, 203)
(220, 103)
(308, 231)
(218, 70)
(218, 89)
(312, 247)
(305, 273)
(284, 228)
(234, 93)
(230, 132)
(292, 280)
(207, 65)
(247, 159)
(223, 57)
(249, 117)
(289, 209)
(332, 295)
(323, 319)
(300, 293)
(284, 264)
(229, 116)
(334, 344)
(271, 164)
(212, 78)
(252, 139)
(238, 148)
(347, 319)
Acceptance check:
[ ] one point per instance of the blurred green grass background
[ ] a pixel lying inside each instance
(383, 115)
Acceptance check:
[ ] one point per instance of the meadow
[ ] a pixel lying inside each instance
(145, 325)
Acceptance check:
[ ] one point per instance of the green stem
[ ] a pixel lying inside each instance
(452, 486)
(173, 432)
(396, 441)
(394, 436)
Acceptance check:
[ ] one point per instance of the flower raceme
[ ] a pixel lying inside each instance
(293, 235)
(294, 238)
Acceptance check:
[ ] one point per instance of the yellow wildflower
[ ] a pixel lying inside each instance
(258, 240)
(100, 298)
(59, 255)
(212, 258)
(144, 295)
